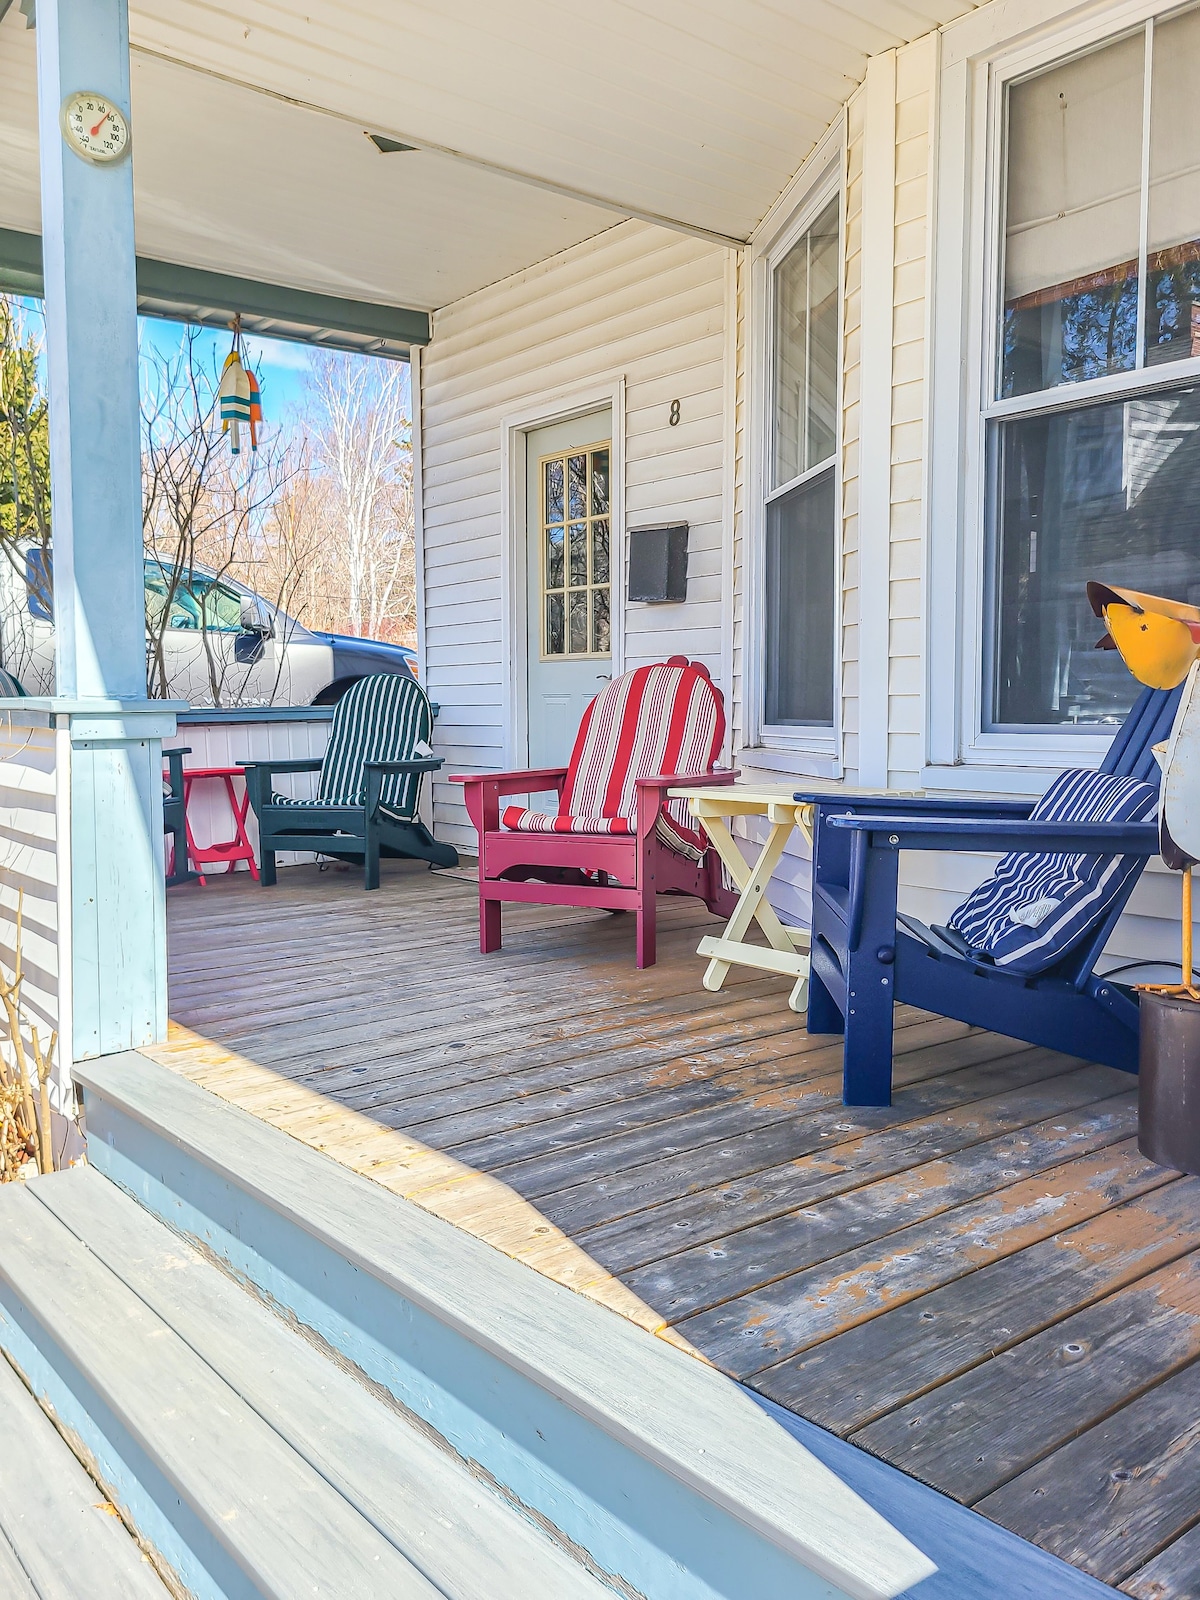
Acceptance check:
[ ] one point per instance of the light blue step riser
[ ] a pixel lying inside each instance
(633, 1519)
(135, 1482)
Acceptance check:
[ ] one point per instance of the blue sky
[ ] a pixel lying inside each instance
(281, 365)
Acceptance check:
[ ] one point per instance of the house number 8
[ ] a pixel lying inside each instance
(674, 417)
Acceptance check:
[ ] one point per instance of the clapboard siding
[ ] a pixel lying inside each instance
(851, 419)
(229, 744)
(737, 708)
(915, 71)
(635, 303)
(29, 865)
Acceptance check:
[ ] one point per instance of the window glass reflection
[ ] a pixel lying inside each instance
(1073, 220)
(1173, 211)
(806, 327)
(1110, 492)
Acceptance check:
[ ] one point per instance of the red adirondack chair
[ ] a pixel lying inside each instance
(615, 840)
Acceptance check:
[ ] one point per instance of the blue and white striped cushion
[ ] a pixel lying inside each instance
(384, 717)
(1035, 905)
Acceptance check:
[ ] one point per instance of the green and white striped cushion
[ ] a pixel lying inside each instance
(380, 718)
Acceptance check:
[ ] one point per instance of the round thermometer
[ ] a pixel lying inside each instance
(93, 127)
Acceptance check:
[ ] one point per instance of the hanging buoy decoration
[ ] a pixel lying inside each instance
(255, 407)
(238, 395)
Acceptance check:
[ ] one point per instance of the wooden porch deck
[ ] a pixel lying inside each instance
(985, 1285)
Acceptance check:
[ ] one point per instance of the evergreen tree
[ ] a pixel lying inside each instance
(24, 432)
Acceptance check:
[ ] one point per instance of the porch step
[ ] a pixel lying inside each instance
(643, 1465)
(59, 1537)
(253, 1463)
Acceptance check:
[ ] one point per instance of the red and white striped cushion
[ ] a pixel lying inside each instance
(665, 718)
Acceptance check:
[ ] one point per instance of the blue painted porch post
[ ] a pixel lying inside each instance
(116, 984)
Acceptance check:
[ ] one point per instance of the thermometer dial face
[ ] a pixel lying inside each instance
(94, 128)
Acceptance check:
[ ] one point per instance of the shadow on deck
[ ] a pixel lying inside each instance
(984, 1284)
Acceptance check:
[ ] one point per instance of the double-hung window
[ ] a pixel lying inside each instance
(799, 570)
(1093, 422)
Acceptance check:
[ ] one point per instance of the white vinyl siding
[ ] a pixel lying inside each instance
(29, 822)
(851, 421)
(637, 304)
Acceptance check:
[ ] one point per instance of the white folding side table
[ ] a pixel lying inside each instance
(787, 951)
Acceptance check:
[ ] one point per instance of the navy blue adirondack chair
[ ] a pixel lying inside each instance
(865, 956)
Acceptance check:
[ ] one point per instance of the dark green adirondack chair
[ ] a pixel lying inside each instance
(366, 804)
(174, 821)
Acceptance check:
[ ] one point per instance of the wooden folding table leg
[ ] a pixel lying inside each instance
(752, 905)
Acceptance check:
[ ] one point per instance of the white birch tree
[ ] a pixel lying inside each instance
(362, 445)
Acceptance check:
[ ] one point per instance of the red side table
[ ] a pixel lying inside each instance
(229, 851)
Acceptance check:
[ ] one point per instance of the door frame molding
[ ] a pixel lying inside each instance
(558, 405)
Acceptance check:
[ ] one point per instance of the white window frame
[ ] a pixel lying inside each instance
(980, 56)
(814, 751)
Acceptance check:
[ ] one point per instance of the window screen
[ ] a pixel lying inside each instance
(800, 609)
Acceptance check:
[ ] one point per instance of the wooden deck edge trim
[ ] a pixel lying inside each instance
(216, 1173)
(975, 1557)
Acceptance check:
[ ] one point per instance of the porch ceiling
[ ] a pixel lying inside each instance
(537, 124)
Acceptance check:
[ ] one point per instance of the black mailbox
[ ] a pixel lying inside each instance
(658, 562)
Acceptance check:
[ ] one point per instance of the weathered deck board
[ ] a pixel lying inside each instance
(1171, 1575)
(1111, 1499)
(915, 1278)
(879, 1366)
(1070, 1376)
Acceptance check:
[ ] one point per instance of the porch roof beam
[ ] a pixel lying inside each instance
(192, 294)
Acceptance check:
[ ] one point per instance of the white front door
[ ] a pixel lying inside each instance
(568, 567)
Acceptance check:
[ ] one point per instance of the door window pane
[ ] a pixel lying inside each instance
(1073, 220)
(579, 629)
(1173, 236)
(554, 558)
(806, 325)
(576, 559)
(599, 483)
(577, 486)
(555, 641)
(800, 605)
(579, 562)
(554, 491)
(600, 550)
(1110, 492)
(601, 635)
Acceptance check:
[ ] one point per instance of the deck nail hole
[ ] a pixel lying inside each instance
(1120, 1475)
(927, 1316)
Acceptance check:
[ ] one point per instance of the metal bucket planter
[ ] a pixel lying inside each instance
(1169, 1081)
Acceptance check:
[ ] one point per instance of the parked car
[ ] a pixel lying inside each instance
(222, 643)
